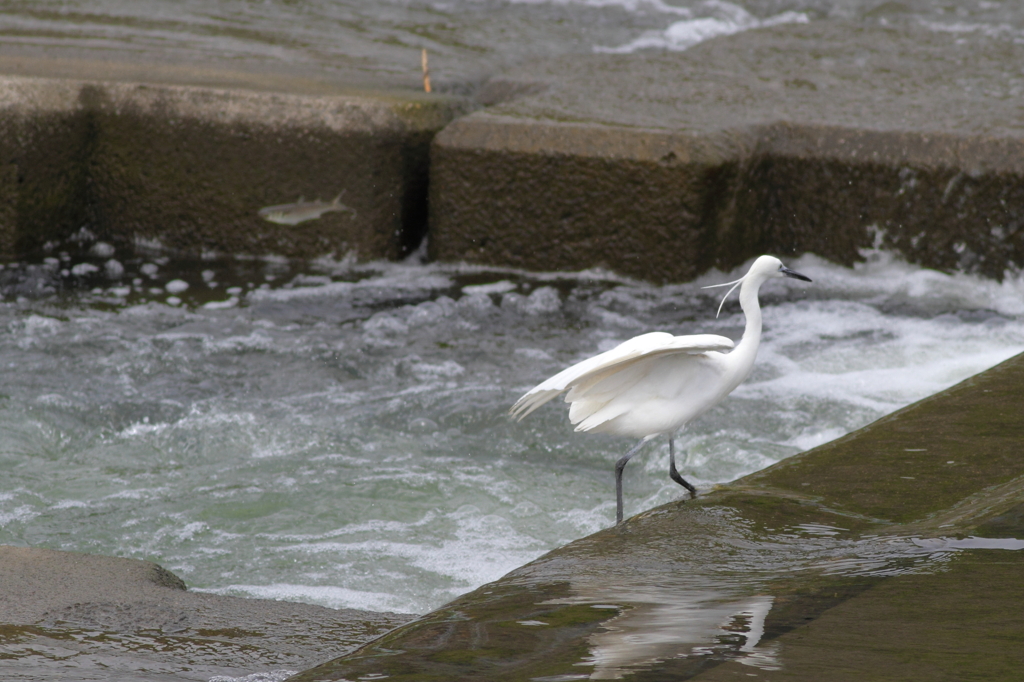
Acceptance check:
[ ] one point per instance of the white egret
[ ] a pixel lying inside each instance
(656, 383)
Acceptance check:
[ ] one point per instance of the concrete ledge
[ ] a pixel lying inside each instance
(185, 169)
(554, 196)
(821, 137)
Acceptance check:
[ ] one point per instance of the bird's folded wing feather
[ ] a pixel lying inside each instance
(604, 364)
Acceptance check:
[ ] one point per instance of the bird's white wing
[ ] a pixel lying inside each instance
(547, 390)
(605, 364)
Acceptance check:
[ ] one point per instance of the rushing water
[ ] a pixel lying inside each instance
(379, 42)
(337, 433)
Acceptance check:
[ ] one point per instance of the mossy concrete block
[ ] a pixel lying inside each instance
(824, 137)
(185, 169)
(563, 196)
(947, 201)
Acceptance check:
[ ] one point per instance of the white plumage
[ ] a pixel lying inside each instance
(629, 388)
(656, 383)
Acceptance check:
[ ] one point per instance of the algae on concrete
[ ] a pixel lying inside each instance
(964, 622)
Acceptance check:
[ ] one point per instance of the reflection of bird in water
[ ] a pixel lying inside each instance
(657, 383)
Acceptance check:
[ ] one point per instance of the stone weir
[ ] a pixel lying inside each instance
(824, 137)
(893, 553)
(166, 166)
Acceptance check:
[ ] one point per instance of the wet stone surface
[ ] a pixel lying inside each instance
(65, 615)
(765, 579)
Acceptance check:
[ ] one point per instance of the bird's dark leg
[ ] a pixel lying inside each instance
(619, 466)
(673, 474)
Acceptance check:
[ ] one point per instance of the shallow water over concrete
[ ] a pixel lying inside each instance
(710, 590)
(68, 615)
(33, 653)
(378, 43)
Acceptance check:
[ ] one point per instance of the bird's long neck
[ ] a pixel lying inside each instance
(746, 350)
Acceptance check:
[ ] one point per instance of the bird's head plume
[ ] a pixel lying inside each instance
(734, 284)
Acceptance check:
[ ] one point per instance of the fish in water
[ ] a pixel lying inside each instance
(301, 211)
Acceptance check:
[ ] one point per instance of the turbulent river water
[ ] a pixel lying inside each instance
(337, 433)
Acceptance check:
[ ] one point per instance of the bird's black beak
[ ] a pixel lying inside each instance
(792, 273)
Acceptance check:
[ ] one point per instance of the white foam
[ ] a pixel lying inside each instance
(195, 421)
(633, 6)
(481, 548)
(255, 340)
(612, 319)
(21, 514)
(71, 504)
(534, 354)
(492, 288)
(957, 544)
(885, 279)
(905, 359)
(725, 19)
(176, 286)
(332, 597)
(543, 300)
(426, 370)
(269, 676)
(1001, 30)
(385, 324)
(813, 437)
(370, 526)
(428, 312)
(55, 400)
(139, 429)
(136, 494)
(394, 280)
(83, 269)
(231, 302)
